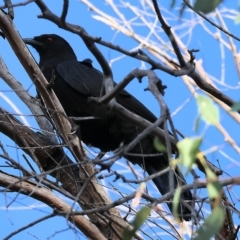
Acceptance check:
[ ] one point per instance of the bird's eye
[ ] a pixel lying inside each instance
(49, 40)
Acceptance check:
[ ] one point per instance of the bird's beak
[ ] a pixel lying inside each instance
(33, 42)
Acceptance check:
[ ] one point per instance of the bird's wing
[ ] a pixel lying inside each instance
(88, 80)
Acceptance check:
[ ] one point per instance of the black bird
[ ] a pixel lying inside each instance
(74, 82)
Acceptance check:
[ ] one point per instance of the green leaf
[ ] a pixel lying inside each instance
(176, 198)
(159, 146)
(206, 6)
(237, 19)
(128, 234)
(236, 107)
(196, 125)
(214, 187)
(140, 218)
(208, 111)
(188, 148)
(211, 225)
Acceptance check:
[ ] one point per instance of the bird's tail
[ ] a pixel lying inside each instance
(163, 184)
(156, 163)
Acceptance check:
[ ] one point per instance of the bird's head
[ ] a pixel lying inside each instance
(51, 46)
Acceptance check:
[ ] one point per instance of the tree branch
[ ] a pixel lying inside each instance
(47, 197)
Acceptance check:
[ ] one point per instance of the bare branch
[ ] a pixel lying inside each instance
(10, 8)
(211, 22)
(52, 157)
(29, 225)
(39, 80)
(64, 11)
(17, 4)
(31, 102)
(46, 196)
(167, 30)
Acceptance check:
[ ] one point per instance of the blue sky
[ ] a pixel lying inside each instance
(25, 210)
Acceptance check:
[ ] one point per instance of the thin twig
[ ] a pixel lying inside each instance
(208, 20)
(64, 11)
(29, 225)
